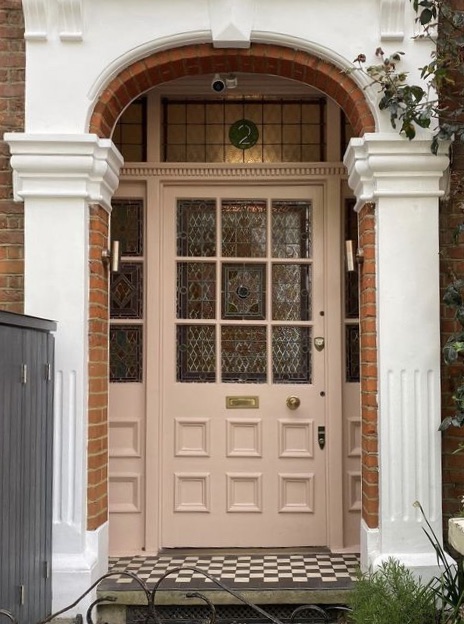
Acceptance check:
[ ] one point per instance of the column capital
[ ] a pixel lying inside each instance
(64, 166)
(389, 165)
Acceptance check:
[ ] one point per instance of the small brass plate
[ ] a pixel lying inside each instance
(242, 402)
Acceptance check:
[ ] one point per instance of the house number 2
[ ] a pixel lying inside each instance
(243, 134)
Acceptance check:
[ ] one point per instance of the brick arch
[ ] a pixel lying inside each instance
(200, 59)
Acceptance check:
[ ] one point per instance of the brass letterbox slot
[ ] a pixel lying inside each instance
(242, 402)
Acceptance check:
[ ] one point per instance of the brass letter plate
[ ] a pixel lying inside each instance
(242, 402)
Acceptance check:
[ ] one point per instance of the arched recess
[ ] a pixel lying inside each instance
(260, 58)
(270, 59)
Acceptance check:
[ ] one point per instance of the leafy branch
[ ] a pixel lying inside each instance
(440, 105)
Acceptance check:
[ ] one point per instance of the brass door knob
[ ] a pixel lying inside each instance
(293, 402)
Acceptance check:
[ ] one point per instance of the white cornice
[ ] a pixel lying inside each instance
(71, 20)
(223, 171)
(392, 15)
(389, 165)
(64, 166)
(35, 20)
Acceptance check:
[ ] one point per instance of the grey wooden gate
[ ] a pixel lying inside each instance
(26, 434)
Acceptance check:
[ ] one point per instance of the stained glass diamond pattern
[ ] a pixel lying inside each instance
(291, 290)
(291, 355)
(196, 228)
(196, 353)
(126, 299)
(196, 290)
(291, 229)
(244, 291)
(243, 229)
(127, 226)
(243, 354)
(126, 353)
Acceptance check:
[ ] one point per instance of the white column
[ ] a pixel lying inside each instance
(57, 177)
(403, 179)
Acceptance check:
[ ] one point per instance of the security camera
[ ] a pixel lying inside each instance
(218, 85)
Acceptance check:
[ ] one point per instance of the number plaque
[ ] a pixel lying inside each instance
(243, 134)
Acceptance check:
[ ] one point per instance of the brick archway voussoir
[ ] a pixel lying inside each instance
(201, 59)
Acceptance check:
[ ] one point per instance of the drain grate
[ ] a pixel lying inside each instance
(239, 614)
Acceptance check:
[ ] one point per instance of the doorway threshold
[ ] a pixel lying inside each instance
(261, 576)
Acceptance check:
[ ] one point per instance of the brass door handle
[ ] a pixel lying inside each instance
(293, 402)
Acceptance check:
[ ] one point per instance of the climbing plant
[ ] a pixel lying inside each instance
(439, 105)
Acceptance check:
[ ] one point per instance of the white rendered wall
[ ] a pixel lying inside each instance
(74, 47)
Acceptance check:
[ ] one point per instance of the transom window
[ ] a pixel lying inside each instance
(246, 130)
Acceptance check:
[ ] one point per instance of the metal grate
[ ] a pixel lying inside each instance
(238, 614)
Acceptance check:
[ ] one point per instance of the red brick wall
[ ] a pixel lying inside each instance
(452, 263)
(204, 59)
(368, 337)
(12, 63)
(97, 488)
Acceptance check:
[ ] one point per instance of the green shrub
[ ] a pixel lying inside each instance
(392, 595)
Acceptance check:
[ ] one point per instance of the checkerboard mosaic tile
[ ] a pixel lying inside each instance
(267, 571)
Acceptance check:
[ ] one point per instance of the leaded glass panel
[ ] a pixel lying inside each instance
(126, 353)
(191, 127)
(196, 227)
(127, 226)
(291, 355)
(243, 291)
(291, 292)
(352, 353)
(196, 353)
(196, 290)
(126, 298)
(243, 354)
(291, 229)
(243, 230)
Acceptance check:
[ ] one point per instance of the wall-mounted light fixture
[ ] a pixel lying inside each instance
(351, 256)
(112, 257)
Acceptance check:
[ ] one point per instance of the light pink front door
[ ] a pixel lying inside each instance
(242, 355)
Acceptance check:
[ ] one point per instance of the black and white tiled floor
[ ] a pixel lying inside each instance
(237, 571)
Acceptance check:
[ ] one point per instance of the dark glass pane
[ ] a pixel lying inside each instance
(126, 353)
(196, 227)
(291, 229)
(243, 229)
(244, 291)
(352, 353)
(130, 133)
(196, 353)
(127, 225)
(243, 354)
(291, 292)
(196, 290)
(126, 298)
(291, 355)
(351, 277)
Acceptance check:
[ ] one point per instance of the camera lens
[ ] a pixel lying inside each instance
(218, 86)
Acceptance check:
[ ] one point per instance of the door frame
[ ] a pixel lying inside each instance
(330, 177)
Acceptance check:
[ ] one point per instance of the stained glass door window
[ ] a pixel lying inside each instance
(244, 291)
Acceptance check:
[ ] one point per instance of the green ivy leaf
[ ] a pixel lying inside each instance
(452, 295)
(408, 129)
(426, 16)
